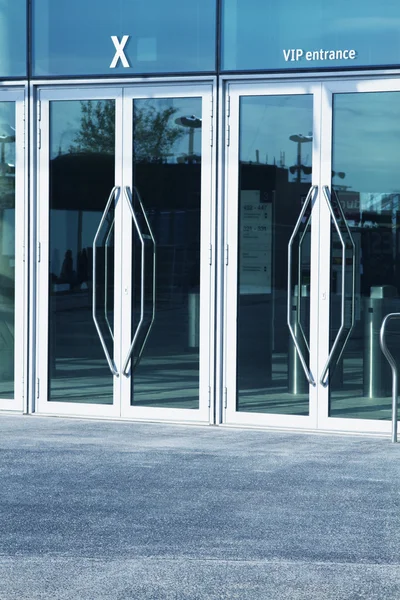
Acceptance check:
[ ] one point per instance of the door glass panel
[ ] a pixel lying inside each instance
(7, 248)
(167, 179)
(366, 179)
(275, 154)
(82, 166)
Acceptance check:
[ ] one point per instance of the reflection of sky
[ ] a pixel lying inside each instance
(65, 121)
(366, 141)
(256, 31)
(266, 124)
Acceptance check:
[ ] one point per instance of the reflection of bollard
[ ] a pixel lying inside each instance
(194, 320)
(377, 374)
(298, 383)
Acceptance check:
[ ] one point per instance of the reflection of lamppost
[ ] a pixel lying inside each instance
(300, 139)
(192, 122)
(7, 136)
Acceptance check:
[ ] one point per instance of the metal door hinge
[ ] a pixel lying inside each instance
(226, 254)
(212, 106)
(39, 252)
(209, 396)
(39, 111)
(23, 252)
(39, 139)
(225, 397)
(211, 135)
(228, 135)
(210, 257)
(228, 106)
(37, 387)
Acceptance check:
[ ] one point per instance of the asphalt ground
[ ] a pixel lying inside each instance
(116, 510)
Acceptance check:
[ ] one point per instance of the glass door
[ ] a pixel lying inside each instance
(12, 235)
(126, 197)
(360, 269)
(272, 237)
(167, 213)
(79, 239)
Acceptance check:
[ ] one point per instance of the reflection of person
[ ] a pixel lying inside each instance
(68, 274)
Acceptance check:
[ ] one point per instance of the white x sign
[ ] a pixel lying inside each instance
(119, 55)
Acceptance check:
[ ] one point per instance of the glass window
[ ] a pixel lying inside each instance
(266, 34)
(122, 37)
(13, 38)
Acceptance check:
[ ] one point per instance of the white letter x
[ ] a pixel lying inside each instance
(119, 46)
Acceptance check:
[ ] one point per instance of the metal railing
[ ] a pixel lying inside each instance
(393, 366)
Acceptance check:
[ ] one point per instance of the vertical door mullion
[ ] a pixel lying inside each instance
(315, 255)
(325, 253)
(231, 254)
(126, 249)
(119, 254)
(42, 255)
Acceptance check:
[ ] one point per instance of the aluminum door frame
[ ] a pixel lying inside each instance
(234, 92)
(18, 96)
(329, 89)
(204, 414)
(43, 405)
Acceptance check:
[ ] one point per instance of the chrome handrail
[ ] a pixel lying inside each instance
(392, 363)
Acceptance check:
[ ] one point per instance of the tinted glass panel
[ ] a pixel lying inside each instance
(82, 161)
(167, 181)
(174, 36)
(259, 34)
(13, 38)
(275, 177)
(7, 248)
(366, 181)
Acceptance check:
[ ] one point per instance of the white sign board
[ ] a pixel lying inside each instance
(255, 260)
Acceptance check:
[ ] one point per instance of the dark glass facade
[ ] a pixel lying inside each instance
(271, 35)
(123, 37)
(129, 37)
(13, 38)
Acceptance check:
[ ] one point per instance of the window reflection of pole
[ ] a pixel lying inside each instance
(7, 136)
(300, 139)
(192, 122)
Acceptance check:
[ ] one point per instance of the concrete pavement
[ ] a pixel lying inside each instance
(116, 510)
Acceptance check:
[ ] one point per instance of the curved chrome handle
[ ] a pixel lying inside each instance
(312, 190)
(392, 363)
(110, 362)
(335, 345)
(142, 237)
(106, 280)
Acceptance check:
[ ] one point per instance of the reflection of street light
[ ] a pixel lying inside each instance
(192, 122)
(300, 139)
(7, 136)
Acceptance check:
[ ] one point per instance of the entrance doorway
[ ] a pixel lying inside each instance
(125, 198)
(312, 237)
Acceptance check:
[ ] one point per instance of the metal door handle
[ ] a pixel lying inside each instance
(106, 280)
(110, 362)
(335, 345)
(310, 195)
(142, 238)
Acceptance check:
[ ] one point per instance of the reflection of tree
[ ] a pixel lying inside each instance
(97, 132)
(154, 131)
